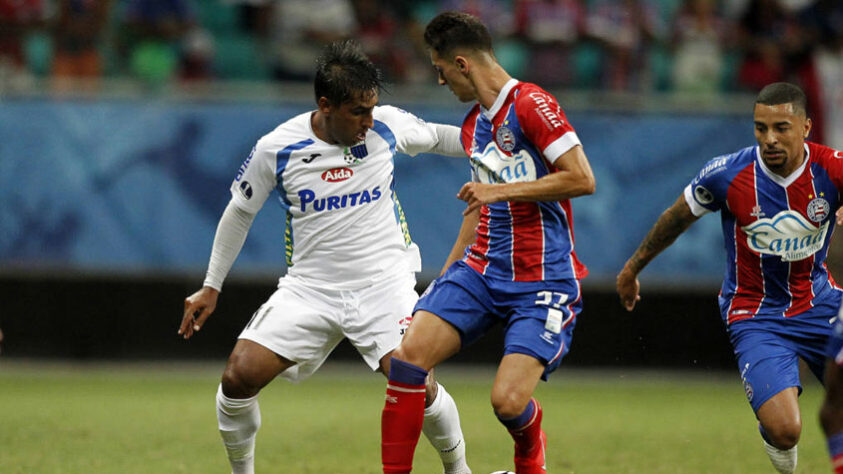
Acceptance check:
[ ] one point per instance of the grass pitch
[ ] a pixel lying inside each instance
(131, 418)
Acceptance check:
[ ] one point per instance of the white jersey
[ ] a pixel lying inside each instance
(345, 226)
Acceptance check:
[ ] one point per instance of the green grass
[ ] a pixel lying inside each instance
(160, 419)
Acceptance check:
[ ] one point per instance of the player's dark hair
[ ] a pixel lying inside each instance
(452, 30)
(343, 72)
(783, 93)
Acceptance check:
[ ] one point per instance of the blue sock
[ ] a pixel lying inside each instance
(835, 444)
(520, 420)
(405, 372)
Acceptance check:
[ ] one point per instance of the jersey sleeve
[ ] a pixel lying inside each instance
(832, 161)
(544, 123)
(254, 180)
(412, 134)
(707, 191)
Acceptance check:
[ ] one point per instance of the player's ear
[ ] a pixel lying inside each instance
(324, 105)
(462, 64)
(808, 125)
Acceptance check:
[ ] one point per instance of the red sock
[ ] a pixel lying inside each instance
(528, 436)
(402, 417)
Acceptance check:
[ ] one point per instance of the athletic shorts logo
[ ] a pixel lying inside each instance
(818, 209)
(505, 138)
(703, 195)
(246, 189)
(747, 387)
(336, 175)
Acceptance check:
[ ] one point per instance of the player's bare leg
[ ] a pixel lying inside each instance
(781, 426)
(429, 340)
(831, 414)
(250, 367)
(515, 382)
(441, 423)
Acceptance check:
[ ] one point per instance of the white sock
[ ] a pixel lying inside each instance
(442, 429)
(783, 460)
(239, 420)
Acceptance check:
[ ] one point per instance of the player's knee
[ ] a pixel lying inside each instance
(409, 354)
(236, 381)
(508, 403)
(784, 435)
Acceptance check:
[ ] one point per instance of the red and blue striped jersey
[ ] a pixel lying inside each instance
(776, 230)
(518, 139)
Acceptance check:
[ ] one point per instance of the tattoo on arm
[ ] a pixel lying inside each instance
(671, 224)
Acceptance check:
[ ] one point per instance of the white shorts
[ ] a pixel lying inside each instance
(304, 324)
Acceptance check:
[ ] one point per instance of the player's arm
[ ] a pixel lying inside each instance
(464, 239)
(231, 234)
(573, 179)
(670, 225)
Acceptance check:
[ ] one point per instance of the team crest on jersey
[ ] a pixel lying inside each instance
(355, 154)
(787, 234)
(703, 195)
(818, 209)
(337, 174)
(505, 138)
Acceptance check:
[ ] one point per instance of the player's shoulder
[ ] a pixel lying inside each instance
(532, 95)
(727, 165)
(818, 152)
(295, 132)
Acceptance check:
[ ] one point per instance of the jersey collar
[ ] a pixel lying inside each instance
(496, 107)
(783, 181)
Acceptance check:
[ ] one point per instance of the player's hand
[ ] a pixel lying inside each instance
(478, 194)
(197, 308)
(628, 288)
(839, 216)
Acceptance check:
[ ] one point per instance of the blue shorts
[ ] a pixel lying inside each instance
(834, 350)
(538, 316)
(768, 351)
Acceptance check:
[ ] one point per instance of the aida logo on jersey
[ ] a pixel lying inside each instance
(244, 165)
(494, 163)
(330, 203)
(787, 234)
(337, 174)
(543, 106)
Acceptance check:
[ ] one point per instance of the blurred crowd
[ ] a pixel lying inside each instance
(694, 46)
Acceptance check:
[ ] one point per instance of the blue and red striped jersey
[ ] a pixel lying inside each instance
(776, 230)
(516, 140)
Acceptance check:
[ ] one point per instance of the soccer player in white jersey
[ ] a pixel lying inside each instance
(350, 258)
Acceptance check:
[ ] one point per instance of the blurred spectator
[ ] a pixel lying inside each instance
(626, 30)
(197, 55)
(77, 37)
(550, 30)
(823, 26)
(300, 28)
(153, 32)
(698, 36)
(17, 19)
(255, 15)
(769, 39)
(378, 36)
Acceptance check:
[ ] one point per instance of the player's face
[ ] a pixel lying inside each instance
(450, 74)
(347, 123)
(781, 131)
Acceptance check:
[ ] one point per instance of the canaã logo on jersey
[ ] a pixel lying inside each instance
(510, 168)
(787, 234)
(337, 174)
